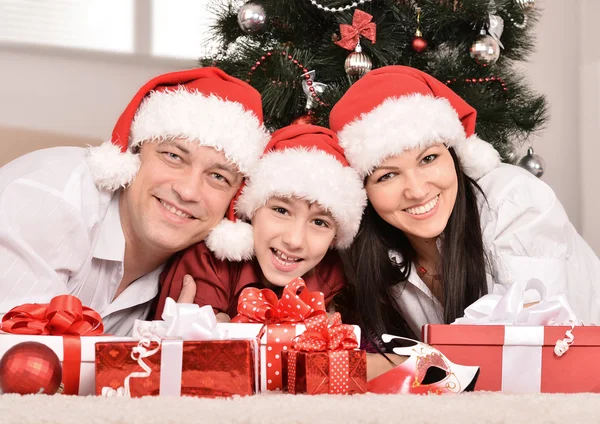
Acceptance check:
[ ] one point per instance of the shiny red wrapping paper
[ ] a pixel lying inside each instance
(312, 373)
(209, 368)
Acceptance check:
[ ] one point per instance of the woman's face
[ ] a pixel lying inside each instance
(415, 191)
(291, 237)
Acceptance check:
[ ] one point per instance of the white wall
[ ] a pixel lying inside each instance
(71, 93)
(553, 70)
(589, 121)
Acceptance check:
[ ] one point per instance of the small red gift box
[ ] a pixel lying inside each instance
(191, 368)
(522, 359)
(317, 373)
(325, 359)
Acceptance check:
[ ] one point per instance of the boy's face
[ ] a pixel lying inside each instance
(182, 191)
(291, 237)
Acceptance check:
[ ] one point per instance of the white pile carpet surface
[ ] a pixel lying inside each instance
(482, 407)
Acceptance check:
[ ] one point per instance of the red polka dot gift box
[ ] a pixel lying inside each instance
(325, 359)
(276, 322)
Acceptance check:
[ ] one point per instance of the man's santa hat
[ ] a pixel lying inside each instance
(396, 108)
(203, 105)
(304, 161)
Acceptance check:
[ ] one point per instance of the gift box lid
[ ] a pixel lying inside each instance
(498, 335)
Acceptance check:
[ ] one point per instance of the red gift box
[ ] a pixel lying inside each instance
(324, 359)
(522, 359)
(191, 368)
(313, 373)
(68, 328)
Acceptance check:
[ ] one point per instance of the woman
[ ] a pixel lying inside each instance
(445, 219)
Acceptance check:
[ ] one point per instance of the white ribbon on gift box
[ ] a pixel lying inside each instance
(524, 330)
(180, 322)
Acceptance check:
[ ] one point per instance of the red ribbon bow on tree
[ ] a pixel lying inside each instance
(64, 315)
(323, 333)
(263, 306)
(361, 25)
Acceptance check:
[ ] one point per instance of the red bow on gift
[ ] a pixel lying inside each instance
(64, 315)
(324, 333)
(296, 304)
(361, 25)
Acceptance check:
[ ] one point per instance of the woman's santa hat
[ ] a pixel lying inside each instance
(396, 108)
(203, 105)
(304, 161)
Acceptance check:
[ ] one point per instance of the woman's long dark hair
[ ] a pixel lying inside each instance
(372, 274)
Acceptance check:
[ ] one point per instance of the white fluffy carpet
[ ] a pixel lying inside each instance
(279, 409)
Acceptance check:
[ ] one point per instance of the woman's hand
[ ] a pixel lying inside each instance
(223, 317)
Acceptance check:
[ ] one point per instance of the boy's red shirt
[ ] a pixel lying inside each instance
(219, 283)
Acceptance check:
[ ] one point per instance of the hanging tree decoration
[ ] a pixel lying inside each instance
(532, 163)
(340, 8)
(419, 44)
(252, 18)
(311, 87)
(486, 48)
(357, 63)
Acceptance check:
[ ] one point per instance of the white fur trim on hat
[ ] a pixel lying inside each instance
(232, 241)
(477, 157)
(396, 125)
(111, 168)
(312, 175)
(208, 120)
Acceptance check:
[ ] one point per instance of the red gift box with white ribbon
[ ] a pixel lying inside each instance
(523, 359)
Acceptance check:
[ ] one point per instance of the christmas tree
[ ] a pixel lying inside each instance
(302, 55)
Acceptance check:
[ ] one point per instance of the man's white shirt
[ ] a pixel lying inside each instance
(59, 234)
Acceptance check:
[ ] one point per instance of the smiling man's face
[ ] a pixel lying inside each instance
(182, 191)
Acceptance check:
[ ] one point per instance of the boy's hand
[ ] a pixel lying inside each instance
(188, 292)
(223, 317)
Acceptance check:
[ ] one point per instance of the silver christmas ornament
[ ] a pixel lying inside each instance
(532, 163)
(485, 50)
(358, 63)
(252, 18)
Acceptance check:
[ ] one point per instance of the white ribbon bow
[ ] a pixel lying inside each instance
(506, 307)
(183, 321)
(186, 321)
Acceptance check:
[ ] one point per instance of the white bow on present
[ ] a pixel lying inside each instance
(506, 306)
(181, 321)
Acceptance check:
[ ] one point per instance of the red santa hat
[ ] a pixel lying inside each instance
(304, 161)
(203, 105)
(396, 108)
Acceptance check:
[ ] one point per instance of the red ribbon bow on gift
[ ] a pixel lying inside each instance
(263, 306)
(323, 333)
(64, 315)
(361, 25)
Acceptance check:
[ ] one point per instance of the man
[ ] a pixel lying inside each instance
(100, 223)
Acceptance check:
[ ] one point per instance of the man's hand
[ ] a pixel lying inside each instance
(188, 292)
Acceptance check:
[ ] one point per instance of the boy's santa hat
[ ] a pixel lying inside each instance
(203, 105)
(304, 161)
(396, 108)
